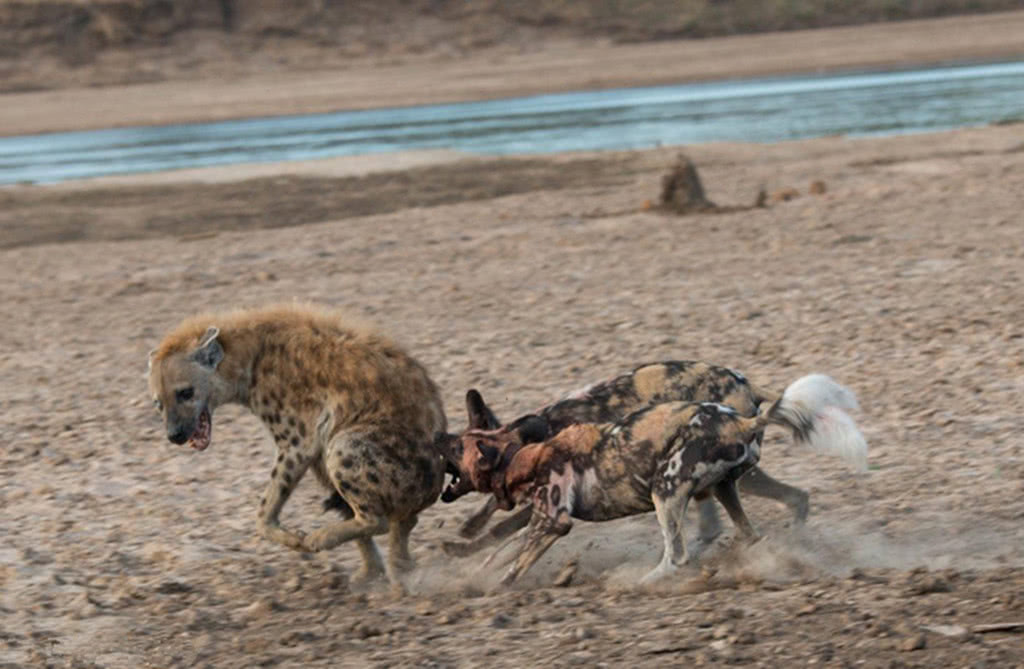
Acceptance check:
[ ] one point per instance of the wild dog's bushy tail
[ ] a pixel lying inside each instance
(813, 408)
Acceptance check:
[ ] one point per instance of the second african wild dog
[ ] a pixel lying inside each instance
(607, 401)
(339, 399)
(658, 458)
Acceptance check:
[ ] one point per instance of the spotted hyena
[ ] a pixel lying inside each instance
(340, 399)
(607, 401)
(657, 459)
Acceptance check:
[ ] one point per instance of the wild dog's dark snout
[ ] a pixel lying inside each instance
(177, 435)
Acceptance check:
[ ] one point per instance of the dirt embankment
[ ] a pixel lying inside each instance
(46, 44)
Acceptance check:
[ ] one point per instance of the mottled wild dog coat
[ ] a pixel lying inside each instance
(604, 402)
(338, 398)
(658, 458)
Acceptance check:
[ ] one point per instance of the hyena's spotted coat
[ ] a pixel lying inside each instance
(606, 402)
(339, 399)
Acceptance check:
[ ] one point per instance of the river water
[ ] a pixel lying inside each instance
(755, 110)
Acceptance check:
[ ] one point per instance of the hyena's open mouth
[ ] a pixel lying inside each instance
(200, 439)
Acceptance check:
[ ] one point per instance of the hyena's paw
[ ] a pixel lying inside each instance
(367, 574)
(664, 570)
(316, 541)
(296, 540)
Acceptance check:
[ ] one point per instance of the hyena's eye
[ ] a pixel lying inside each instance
(158, 404)
(185, 394)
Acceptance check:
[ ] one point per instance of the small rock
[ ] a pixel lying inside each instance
(916, 642)
(807, 609)
(565, 576)
(583, 633)
(173, 588)
(721, 632)
(784, 195)
(365, 631)
(83, 606)
(746, 637)
(500, 621)
(817, 187)
(947, 630)
(261, 608)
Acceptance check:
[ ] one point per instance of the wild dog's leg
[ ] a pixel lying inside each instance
(710, 527)
(670, 506)
(504, 529)
(725, 492)
(757, 482)
(399, 557)
(544, 531)
(286, 474)
(478, 520)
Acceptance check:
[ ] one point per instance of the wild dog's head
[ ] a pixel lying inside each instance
(516, 477)
(186, 387)
(473, 455)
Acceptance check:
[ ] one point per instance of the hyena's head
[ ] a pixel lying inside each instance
(186, 388)
(475, 454)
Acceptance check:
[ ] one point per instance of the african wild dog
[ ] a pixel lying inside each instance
(658, 458)
(604, 402)
(339, 399)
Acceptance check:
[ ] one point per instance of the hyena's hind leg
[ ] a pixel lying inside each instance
(756, 482)
(399, 558)
(350, 464)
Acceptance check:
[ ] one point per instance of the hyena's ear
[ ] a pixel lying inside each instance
(210, 352)
(149, 360)
(533, 429)
(480, 415)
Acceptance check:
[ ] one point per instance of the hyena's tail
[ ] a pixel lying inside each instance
(813, 407)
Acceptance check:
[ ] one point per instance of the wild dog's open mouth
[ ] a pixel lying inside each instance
(457, 487)
(200, 439)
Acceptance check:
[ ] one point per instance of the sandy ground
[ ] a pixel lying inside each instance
(226, 88)
(527, 278)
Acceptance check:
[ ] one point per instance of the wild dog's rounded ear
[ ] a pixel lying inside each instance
(210, 352)
(488, 458)
(532, 429)
(480, 415)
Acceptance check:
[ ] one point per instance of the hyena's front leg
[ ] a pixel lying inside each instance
(287, 472)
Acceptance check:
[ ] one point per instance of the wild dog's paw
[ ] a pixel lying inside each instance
(457, 548)
(662, 571)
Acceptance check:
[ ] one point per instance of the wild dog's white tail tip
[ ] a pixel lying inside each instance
(813, 407)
